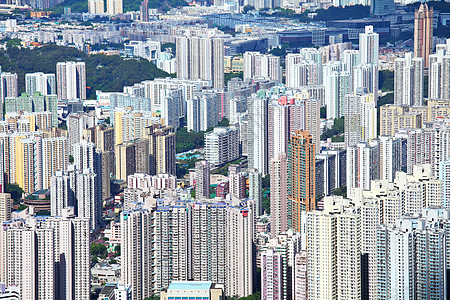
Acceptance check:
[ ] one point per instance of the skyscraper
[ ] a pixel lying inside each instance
(71, 79)
(255, 189)
(360, 119)
(257, 132)
(301, 177)
(5, 207)
(334, 252)
(114, 7)
(408, 81)
(202, 180)
(257, 65)
(40, 82)
(47, 258)
(369, 46)
(161, 140)
(144, 11)
(9, 85)
(96, 7)
(439, 72)
(201, 58)
(423, 33)
(278, 194)
(271, 274)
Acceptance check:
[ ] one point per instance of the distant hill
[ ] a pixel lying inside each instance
(79, 6)
(106, 73)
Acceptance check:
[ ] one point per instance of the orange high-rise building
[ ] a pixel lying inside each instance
(301, 176)
(423, 33)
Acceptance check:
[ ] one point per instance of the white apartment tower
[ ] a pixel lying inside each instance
(96, 7)
(257, 133)
(278, 194)
(202, 180)
(201, 58)
(40, 82)
(334, 252)
(257, 65)
(114, 7)
(255, 189)
(47, 258)
(369, 46)
(71, 80)
(408, 80)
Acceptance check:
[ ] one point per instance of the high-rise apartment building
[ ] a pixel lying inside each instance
(5, 207)
(362, 165)
(255, 189)
(265, 66)
(114, 7)
(369, 46)
(408, 81)
(201, 58)
(337, 85)
(334, 252)
(423, 33)
(96, 7)
(360, 119)
(35, 103)
(47, 258)
(411, 259)
(301, 176)
(144, 11)
(132, 157)
(439, 72)
(137, 250)
(222, 145)
(40, 82)
(271, 275)
(8, 86)
(257, 132)
(278, 194)
(71, 79)
(203, 111)
(161, 140)
(202, 180)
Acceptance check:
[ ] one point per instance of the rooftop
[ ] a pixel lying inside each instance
(190, 285)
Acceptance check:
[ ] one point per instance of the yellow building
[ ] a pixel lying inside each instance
(395, 117)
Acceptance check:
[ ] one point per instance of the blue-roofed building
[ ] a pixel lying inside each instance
(193, 290)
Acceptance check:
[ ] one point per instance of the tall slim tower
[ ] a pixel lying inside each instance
(202, 180)
(258, 133)
(114, 7)
(301, 176)
(368, 46)
(278, 194)
(423, 33)
(144, 11)
(71, 80)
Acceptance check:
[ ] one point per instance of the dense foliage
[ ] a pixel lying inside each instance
(386, 99)
(386, 80)
(99, 250)
(15, 190)
(107, 73)
(342, 13)
(188, 140)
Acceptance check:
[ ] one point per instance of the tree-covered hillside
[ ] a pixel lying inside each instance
(106, 73)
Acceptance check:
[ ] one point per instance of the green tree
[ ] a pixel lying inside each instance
(248, 8)
(98, 250)
(386, 80)
(15, 190)
(229, 76)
